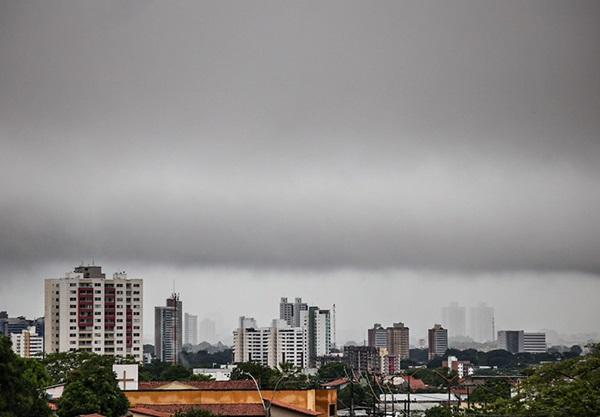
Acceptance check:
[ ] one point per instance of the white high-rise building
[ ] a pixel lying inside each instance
(86, 311)
(317, 324)
(270, 346)
(190, 323)
(482, 325)
(28, 343)
(168, 330)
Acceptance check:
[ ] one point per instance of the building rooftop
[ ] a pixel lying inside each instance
(199, 385)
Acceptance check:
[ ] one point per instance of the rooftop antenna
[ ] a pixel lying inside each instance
(93, 261)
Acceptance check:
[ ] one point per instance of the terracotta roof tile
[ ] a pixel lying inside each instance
(203, 385)
(291, 407)
(233, 410)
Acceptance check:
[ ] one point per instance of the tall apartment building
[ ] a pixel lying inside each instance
(270, 346)
(86, 311)
(454, 319)
(438, 341)
(482, 326)
(398, 340)
(28, 343)
(377, 336)
(168, 330)
(191, 329)
(291, 312)
(317, 324)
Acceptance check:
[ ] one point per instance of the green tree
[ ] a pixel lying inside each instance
(202, 377)
(21, 393)
(439, 412)
(59, 365)
(164, 371)
(93, 388)
(333, 370)
(570, 388)
(264, 375)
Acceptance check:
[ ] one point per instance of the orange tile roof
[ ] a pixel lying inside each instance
(203, 385)
(335, 382)
(228, 410)
(301, 410)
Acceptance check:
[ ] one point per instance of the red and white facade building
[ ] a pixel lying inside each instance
(86, 311)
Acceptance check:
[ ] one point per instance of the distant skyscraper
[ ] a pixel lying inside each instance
(398, 340)
(438, 341)
(86, 311)
(168, 330)
(453, 319)
(377, 336)
(191, 329)
(208, 331)
(482, 325)
(534, 342)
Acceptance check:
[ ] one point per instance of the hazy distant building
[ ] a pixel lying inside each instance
(438, 341)
(453, 319)
(86, 311)
(28, 343)
(377, 336)
(168, 329)
(190, 324)
(482, 325)
(270, 346)
(208, 331)
(291, 312)
(398, 340)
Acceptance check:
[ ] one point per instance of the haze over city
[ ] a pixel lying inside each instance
(387, 159)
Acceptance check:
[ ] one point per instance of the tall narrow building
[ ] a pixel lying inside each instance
(291, 312)
(482, 324)
(398, 340)
(317, 324)
(168, 330)
(454, 319)
(86, 311)
(438, 341)
(191, 329)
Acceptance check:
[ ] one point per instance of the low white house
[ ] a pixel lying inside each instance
(219, 374)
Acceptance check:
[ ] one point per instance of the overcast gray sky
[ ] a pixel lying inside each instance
(368, 149)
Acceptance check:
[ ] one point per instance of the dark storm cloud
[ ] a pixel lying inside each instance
(440, 135)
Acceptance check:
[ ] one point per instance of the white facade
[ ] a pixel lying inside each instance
(27, 344)
(270, 346)
(86, 311)
(219, 374)
(534, 342)
(317, 324)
